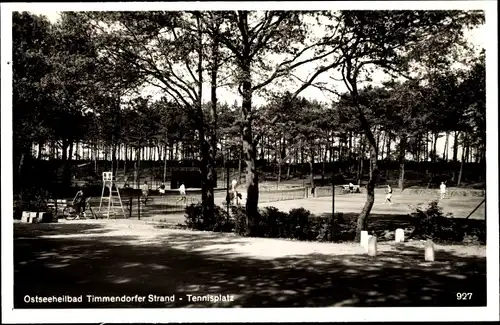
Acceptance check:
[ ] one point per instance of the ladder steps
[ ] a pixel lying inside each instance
(114, 202)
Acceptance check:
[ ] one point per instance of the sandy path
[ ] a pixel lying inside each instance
(261, 248)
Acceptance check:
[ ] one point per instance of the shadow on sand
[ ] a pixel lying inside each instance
(90, 259)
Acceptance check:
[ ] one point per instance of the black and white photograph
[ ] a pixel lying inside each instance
(212, 161)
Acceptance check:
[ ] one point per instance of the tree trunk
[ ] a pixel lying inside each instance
(445, 151)
(461, 169)
(402, 153)
(94, 157)
(66, 174)
(434, 148)
(311, 171)
(388, 154)
(165, 164)
(323, 167)
(349, 153)
(206, 164)
(418, 148)
(279, 173)
(125, 160)
(383, 146)
(332, 144)
(239, 167)
(136, 168)
(361, 158)
(426, 145)
(252, 179)
(212, 146)
(70, 151)
(362, 222)
(114, 162)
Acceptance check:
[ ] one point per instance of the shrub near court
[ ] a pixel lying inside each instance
(297, 224)
(300, 224)
(431, 223)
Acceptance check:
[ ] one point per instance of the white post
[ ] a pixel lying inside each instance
(25, 216)
(400, 235)
(372, 246)
(364, 239)
(429, 251)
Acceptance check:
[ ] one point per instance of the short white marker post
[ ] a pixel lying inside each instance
(26, 216)
(33, 217)
(400, 235)
(364, 239)
(429, 250)
(372, 246)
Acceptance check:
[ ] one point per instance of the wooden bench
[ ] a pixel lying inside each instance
(30, 217)
(56, 205)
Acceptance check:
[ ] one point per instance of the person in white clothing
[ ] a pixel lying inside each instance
(236, 195)
(442, 189)
(388, 197)
(182, 192)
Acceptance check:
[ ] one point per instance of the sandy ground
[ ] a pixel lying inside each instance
(261, 248)
(126, 257)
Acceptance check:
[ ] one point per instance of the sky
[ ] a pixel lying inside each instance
(477, 37)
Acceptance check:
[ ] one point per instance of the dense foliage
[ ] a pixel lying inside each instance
(78, 92)
(299, 224)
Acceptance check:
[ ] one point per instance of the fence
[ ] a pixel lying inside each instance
(137, 207)
(326, 191)
(283, 195)
(449, 192)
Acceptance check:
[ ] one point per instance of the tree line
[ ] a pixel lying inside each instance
(79, 80)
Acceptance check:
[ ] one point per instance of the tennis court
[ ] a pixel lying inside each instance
(169, 208)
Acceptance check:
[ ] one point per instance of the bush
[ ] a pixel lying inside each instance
(278, 224)
(298, 223)
(194, 218)
(272, 223)
(30, 200)
(239, 219)
(430, 223)
(474, 232)
(471, 240)
(319, 228)
(219, 221)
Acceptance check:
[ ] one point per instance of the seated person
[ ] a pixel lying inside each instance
(79, 202)
(161, 188)
(351, 187)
